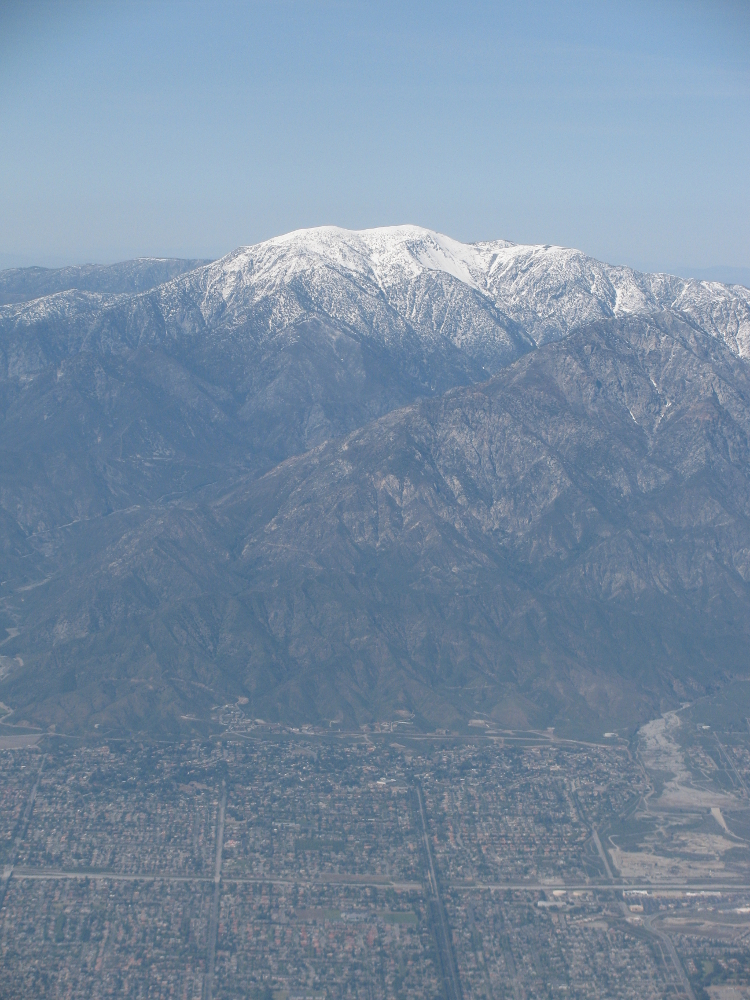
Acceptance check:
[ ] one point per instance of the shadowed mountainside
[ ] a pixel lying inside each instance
(567, 544)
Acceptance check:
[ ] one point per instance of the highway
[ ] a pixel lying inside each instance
(443, 939)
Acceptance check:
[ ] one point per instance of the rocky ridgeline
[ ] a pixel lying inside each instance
(338, 473)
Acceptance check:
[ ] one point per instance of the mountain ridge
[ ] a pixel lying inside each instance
(23, 284)
(178, 524)
(503, 271)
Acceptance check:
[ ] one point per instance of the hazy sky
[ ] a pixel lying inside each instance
(187, 129)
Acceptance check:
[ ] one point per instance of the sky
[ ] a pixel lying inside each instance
(187, 129)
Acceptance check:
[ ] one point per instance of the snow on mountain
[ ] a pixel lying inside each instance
(390, 285)
(401, 288)
(287, 473)
(377, 281)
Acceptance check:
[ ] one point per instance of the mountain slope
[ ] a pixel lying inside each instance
(129, 277)
(567, 544)
(395, 287)
(545, 290)
(278, 347)
(185, 517)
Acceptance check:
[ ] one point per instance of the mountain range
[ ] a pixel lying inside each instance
(345, 476)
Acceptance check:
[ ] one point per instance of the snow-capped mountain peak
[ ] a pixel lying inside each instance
(542, 291)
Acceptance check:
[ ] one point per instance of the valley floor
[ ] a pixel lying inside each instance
(274, 863)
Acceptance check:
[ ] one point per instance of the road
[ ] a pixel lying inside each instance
(602, 855)
(679, 973)
(21, 833)
(446, 958)
(377, 882)
(213, 927)
(666, 941)
(654, 887)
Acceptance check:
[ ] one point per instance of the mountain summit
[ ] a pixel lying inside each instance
(341, 474)
(450, 290)
(546, 289)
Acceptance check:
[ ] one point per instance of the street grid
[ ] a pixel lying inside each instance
(297, 866)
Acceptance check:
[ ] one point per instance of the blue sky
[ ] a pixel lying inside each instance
(190, 128)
